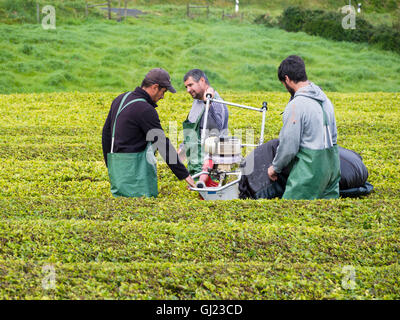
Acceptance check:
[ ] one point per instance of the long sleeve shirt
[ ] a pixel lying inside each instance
(137, 125)
(218, 115)
(303, 125)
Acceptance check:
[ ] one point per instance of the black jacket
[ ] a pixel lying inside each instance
(133, 125)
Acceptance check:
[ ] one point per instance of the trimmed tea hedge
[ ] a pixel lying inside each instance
(56, 210)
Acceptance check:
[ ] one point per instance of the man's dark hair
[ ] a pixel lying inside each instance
(294, 68)
(196, 74)
(146, 83)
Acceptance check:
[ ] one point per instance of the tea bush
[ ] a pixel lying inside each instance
(56, 209)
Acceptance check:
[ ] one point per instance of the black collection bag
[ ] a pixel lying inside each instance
(255, 184)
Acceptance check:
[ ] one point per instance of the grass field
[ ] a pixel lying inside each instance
(111, 56)
(56, 209)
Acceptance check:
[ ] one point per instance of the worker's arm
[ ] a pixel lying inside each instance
(106, 137)
(218, 114)
(151, 126)
(217, 117)
(190, 181)
(289, 138)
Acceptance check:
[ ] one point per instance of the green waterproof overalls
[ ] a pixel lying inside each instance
(193, 147)
(315, 173)
(132, 174)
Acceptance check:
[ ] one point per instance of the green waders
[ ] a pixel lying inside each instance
(193, 147)
(132, 174)
(315, 173)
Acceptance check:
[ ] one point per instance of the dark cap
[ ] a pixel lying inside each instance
(161, 77)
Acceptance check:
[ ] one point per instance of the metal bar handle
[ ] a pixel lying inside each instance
(264, 111)
(239, 176)
(236, 105)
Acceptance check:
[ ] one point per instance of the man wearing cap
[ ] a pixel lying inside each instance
(130, 134)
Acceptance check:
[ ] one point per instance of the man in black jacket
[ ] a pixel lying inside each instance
(138, 124)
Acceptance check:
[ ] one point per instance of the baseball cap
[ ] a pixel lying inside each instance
(161, 77)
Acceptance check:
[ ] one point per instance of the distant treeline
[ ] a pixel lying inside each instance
(328, 24)
(369, 5)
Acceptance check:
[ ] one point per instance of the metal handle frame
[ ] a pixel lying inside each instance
(263, 109)
(238, 173)
(216, 189)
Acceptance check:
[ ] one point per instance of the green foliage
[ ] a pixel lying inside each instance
(293, 19)
(25, 11)
(27, 49)
(329, 25)
(237, 56)
(266, 20)
(57, 209)
(389, 5)
(396, 21)
(386, 38)
(370, 5)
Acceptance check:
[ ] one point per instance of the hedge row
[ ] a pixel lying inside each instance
(56, 209)
(71, 241)
(328, 25)
(358, 214)
(23, 279)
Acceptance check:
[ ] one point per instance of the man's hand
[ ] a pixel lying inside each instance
(209, 90)
(272, 174)
(190, 181)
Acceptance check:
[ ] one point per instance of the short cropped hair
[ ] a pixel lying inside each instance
(146, 83)
(293, 67)
(196, 74)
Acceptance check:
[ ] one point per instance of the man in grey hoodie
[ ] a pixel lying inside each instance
(308, 138)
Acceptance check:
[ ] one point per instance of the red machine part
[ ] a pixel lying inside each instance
(208, 165)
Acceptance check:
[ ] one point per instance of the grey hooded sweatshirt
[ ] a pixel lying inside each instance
(303, 125)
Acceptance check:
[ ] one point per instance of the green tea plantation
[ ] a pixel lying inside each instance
(64, 236)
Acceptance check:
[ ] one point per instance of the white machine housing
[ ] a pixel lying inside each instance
(225, 152)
